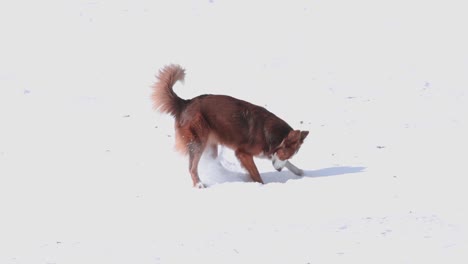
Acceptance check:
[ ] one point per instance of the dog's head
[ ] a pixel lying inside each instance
(288, 147)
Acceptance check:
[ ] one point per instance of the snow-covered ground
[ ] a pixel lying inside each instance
(88, 173)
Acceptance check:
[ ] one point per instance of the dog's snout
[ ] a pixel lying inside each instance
(277, 163)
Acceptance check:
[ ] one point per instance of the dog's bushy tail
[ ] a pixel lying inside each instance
(164, 98)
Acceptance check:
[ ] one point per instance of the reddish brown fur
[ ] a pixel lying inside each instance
(209, 120)
(164, 98)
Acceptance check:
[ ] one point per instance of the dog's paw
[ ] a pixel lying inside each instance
(294, 169)
(199, 185)
(299, 172)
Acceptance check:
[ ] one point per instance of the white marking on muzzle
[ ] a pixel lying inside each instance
(277, 163)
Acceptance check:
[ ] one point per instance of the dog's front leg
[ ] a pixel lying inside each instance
(294, 169)
(248, 163)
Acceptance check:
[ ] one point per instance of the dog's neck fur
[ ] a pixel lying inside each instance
(274, 140)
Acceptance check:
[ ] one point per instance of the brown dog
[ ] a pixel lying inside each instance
(208, 120)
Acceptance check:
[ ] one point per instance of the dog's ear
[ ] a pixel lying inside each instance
(304, 135)
(293, 136)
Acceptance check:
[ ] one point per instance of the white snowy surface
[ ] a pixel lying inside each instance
(88, 172)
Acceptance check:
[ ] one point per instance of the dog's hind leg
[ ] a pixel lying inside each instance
(198, 134)
(294, 169)
(195, 152)
(248, 163)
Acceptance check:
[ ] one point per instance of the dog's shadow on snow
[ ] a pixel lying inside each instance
(285, 175)
(217, 173)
